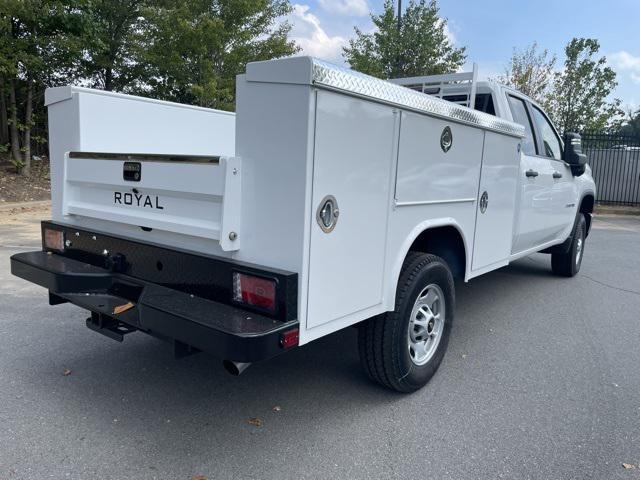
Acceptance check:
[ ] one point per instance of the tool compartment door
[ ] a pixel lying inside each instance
(352, 164)
(496, 201)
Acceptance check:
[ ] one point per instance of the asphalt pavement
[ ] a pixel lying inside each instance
(541, 381)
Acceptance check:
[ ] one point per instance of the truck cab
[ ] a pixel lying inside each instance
(550, 194)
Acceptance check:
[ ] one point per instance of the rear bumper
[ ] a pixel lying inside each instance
(226, 331)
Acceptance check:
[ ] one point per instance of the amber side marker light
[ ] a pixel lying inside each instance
(54, 240)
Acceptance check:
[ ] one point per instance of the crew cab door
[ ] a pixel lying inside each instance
(563, 191)
(536, 223)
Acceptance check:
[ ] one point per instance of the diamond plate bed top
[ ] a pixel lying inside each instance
(308, 70)
(332, 76)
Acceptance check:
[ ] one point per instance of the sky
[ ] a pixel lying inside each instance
(491, 29)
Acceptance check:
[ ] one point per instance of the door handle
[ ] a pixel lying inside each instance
(557, 175)
(531, 173)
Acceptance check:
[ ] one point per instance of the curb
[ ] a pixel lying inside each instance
(8, 206)
(606, 210)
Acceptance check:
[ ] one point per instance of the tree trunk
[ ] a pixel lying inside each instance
(13, 123)
(108, 79)
(28, 120)
(4, 121)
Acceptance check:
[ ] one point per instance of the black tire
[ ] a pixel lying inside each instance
(568, 264)
(383, 340)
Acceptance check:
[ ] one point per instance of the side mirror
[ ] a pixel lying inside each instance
(573, 153)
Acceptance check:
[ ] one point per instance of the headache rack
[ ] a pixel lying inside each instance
(459, 88)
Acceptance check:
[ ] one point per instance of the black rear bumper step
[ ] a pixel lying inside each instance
(226, 331)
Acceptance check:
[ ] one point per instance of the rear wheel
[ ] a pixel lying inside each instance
(568, 264)
(403, 349)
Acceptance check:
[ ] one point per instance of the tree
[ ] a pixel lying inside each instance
(419, 47)
(196, 48)
(4, 119)
(39, 43)
(115, 37)
(531, 72)
(579, 99)
(631, 124)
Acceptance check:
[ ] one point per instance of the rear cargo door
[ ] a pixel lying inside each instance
(351, 194)
(196, 196)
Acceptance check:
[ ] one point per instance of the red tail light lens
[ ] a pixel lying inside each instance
(290, 338)
(255, 291)
(54, 239)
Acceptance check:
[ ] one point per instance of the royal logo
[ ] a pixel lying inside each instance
(137, 199)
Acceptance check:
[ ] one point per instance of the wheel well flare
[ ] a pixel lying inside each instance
(445, 242)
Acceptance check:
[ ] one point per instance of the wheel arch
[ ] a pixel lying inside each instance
(587, 204)
(444, 238)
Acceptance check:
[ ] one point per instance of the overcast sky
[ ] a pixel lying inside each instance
(490, 29)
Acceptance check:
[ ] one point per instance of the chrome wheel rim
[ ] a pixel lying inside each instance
(426, 324)
(579, 250)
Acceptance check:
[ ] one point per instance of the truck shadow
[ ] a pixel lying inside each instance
(138, 392)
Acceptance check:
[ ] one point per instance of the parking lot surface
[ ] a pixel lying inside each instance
(541, 380)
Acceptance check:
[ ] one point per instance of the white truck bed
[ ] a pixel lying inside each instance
(375, 147)
(304, 129)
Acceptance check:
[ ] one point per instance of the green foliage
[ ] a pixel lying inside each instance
(530, 72)
(40, 46)
(579, 99)
(420, 47)
(17, 164)
(631, 124)
(186, 51)
(115, 34)
(40, 40)
(195, 49)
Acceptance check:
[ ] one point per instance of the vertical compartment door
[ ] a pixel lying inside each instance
(496, 201)
(350, 204)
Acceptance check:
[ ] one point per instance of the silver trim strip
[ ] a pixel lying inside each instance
(434, 202)
(333, 77)
(145, 157)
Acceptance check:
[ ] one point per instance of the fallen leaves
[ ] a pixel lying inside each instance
(628, 466)
(256, 422)
(66, 372)
(123, 308)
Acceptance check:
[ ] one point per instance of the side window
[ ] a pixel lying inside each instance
(550, 140)
(520, 115)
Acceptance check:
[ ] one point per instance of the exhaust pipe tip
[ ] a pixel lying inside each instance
(235, 368)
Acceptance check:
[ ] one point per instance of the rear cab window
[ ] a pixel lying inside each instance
(483, 102)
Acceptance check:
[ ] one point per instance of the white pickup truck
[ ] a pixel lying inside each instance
(329, 199)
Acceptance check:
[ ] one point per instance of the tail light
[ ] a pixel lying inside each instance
(289, 338)
(254, 291)
(54, 239)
